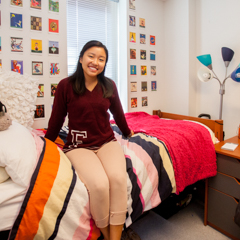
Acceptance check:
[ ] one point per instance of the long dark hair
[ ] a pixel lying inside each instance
(77, 78)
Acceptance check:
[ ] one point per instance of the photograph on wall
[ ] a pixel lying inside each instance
(133, 86)
(133, 102)
(143, 54)
(16, 44)
(40, 92)
(17, 3)
(17, 66)
(153, 70)
(132, 4)
(132, 37)
(36, 23)
(53, 89)
(133, 70)
(132, 21)
(132, 53)
(142, 38)
(37, 4)
(54, 6)
(0, 44)
(143, 70)
(154, 85)
(36, 46)
(144, 86)
(152, 55)
(0, 63)
(152, 40)
(53, 25)
(144, 101)
(53, 47)
(142, 22)
(39, 112)
(16, 21)
(54, 69)
(37, 68)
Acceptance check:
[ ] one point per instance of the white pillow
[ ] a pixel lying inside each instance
(19, 93)
(18, 153)
(3, 175)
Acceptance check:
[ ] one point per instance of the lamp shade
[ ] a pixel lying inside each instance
(204, 74)
(227, 55)
(206, 60)
(236, 75)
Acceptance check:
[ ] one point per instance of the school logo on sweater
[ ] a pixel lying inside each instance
(77, 137)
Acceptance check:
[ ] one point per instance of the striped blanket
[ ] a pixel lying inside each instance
(56, 205)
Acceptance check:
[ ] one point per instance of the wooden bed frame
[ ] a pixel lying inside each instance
(215, 125)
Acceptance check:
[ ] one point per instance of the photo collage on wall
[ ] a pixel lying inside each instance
(18, 15)
(139, 44)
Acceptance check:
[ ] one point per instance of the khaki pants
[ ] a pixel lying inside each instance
(104, 174)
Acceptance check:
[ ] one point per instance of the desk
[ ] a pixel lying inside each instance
(222, 192)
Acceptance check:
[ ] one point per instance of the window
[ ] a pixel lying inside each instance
(93, 20)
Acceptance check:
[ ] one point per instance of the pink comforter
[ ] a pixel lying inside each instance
(189, 144)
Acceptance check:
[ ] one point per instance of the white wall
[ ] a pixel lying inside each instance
(152, 12)
(179, 45)
(27, 57)
(217, 23)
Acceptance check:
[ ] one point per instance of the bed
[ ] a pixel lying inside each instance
(44, 198)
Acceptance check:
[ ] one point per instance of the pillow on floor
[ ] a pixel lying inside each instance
(18, 153)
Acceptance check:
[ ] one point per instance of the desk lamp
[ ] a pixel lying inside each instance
(206, 73)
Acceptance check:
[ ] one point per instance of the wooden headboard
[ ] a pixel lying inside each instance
(215, 125)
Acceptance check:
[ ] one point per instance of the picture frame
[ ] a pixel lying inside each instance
(144, 86)
(143, 70)
(16, 20)
(36, 46)
(154, 85)
(133, 86)
(53, 47)
(132, 21)
(39, 113)
(144, 101)
(16, 44)
(143, 54)
(134, 102)
(36, 4)
(53, 6)
(133, 70)
(17, 66)
(54, 69)
(53, 25)
(37, 68)
(40, 93)
(142, 38)
(152, 40)
(132, 53)
(53, 89)
(36, 23)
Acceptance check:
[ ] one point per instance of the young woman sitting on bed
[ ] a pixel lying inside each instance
(91, 147)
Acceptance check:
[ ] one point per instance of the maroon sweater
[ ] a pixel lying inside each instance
(89, 125)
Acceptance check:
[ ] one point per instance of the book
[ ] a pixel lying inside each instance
(229, 146)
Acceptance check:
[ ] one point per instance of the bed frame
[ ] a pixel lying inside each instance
(215, 125)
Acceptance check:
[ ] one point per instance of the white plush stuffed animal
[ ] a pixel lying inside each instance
(5, 119)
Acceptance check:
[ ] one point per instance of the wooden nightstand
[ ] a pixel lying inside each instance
(223, 191)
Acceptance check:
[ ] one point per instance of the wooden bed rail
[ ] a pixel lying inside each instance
(215, 125)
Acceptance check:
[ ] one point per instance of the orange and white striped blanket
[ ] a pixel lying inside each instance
(56, 204)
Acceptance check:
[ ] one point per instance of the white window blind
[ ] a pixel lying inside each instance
(93, 20)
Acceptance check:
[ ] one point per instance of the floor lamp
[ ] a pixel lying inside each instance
(206, 73)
